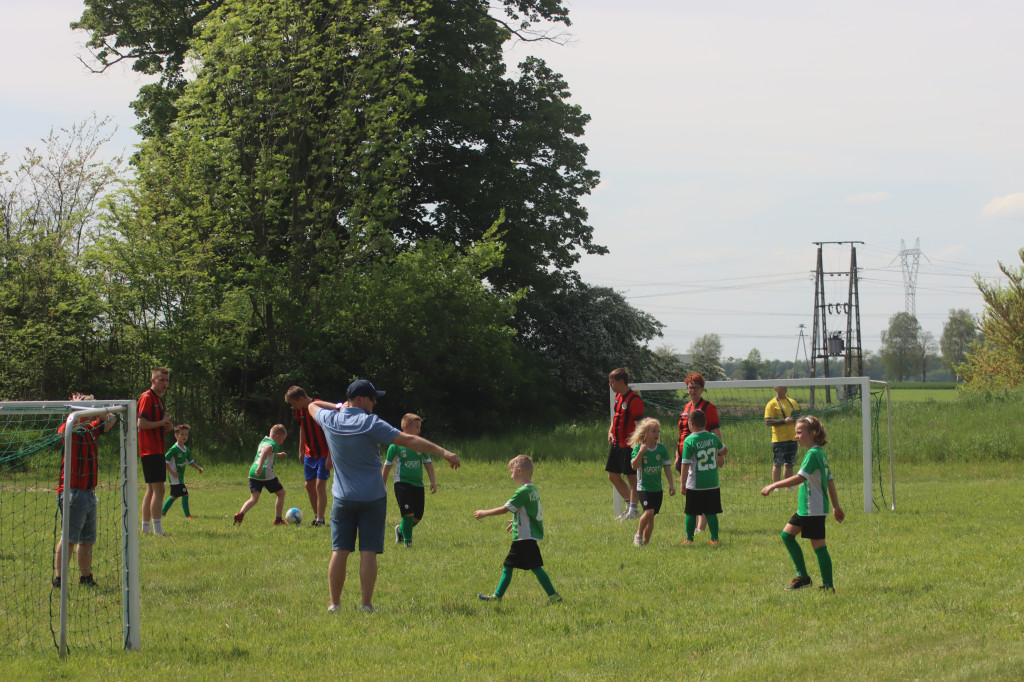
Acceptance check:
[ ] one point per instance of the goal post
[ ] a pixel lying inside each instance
(77, 615)
(844, 403)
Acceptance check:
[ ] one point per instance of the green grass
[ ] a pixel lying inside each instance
(931, 591)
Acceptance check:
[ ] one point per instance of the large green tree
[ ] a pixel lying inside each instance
(959, 332)
(706, 357)
(901, 347)
(997, 361)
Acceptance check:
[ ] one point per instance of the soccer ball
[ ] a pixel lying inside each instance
(293, 516)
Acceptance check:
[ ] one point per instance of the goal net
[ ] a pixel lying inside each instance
(35, 613)
(853, 410)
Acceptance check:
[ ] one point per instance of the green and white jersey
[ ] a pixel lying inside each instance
(648, 475)
(408, 465)
(813, 499)
(527, 518)
(267, 473)
(700, 451)
(178, 459)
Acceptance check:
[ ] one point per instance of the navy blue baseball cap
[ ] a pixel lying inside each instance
(363, 387)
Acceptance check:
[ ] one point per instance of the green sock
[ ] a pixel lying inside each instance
(793, 547)
(712, 526)
(691, 526)
(184, 505)
(825, 564)
(407, 524)
(168, 503)
(545, 581)
(506, 578)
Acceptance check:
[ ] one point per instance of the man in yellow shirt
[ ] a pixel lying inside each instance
(781, 414)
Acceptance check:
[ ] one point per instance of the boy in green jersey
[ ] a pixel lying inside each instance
(816, 490)
(177, 458)
(409, 466)
(527, 528)
(703, 454)
(261, 474)
(650, 457)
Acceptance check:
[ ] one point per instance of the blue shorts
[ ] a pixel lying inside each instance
(316, 468)
(784, 453)
(365, 519)
(82, 516)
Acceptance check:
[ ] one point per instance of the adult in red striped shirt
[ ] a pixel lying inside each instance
(153, 423)
(313, 450)
(629, 409)
(695, 389)
(82, 484)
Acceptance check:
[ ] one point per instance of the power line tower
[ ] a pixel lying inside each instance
(826, 344)
(910, 259)
(800, 341)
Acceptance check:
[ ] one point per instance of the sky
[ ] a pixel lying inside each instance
(730, 136)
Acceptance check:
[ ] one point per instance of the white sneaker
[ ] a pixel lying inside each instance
(623, 516)
(333, 608)
(366, 609)
(638, 541)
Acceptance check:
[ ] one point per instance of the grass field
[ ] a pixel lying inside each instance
(933, 590)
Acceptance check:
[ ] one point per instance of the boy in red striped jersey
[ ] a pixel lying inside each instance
(629, 409)
(313, 450)
(84, 469)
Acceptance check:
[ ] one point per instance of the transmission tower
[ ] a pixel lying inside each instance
(800, 341)
(909, 260)
(826, 344)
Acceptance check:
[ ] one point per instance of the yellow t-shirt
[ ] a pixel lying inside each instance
(774, 410)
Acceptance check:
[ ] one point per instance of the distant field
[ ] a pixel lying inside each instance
(923, 395)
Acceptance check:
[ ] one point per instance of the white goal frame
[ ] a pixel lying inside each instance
(129, 485)
(864, 383)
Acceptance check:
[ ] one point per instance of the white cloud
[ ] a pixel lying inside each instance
(867, 198)
(1010, 206)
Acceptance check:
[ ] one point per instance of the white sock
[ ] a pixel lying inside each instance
(632, 507)
(145, 527)
(158, 527)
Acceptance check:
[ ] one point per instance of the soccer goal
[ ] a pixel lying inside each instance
(35, 614)
(854, 410)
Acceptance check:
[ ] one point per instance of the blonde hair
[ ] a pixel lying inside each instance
(639, 435)
(160, 371)
(278, 429)
(182, 427)
(816, 428)
(523, 462)
(409, 418)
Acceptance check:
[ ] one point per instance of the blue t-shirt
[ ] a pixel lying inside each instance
(354, 439)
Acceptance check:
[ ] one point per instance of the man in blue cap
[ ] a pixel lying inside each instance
(354, 436)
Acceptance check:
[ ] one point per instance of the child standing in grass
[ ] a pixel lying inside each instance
(816, 489)
(178, 457)
(649, 458)
(409, 466)
(703, 454)
(527, 528)
(261, 474)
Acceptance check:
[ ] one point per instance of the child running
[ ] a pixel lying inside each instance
(649, 458)
(261, 474)
(527, 528)
(703, 454)
(177, 457)
(816, 489)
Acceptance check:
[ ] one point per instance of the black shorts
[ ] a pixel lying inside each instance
(525, 554)
(650, 500)
(707, 501)
(154, 468)
(619, 458)
(410, 499)
(811, 527)
(271, 486)
(784, 453)
(178, 490)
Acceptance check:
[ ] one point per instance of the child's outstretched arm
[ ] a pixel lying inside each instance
(481, 513)
(795, 479)
(195, 466)
(837, 511)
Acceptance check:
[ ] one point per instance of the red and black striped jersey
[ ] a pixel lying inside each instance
(709, 410)
(84, 456)
(628, 409)
(313, 435)
(151, 407)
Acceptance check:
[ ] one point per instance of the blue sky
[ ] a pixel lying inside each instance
(730, 136)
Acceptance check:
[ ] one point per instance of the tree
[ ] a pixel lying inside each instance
(750, 368)
(706, 357)
(958, 334)
(901, 346)
(997, 360)
(929, 352)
